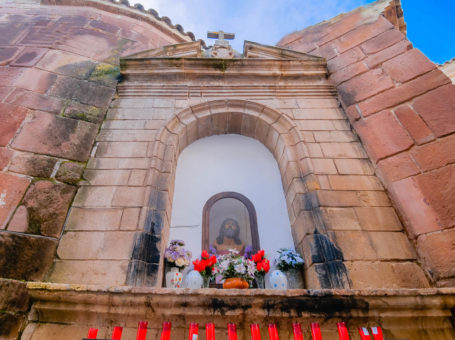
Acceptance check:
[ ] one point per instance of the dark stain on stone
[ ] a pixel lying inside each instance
(144, 265)
(327, 305)
(222, 306)
(26, 57)
(154, 222)
(323, 250)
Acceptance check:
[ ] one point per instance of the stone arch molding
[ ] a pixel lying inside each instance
(271, 127)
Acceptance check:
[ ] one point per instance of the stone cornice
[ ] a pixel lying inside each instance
(138, 12)
(64, 302)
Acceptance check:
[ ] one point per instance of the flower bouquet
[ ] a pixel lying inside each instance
(288, 259)
(206, 267)
(176, 255)
(262, 267)
(235, 269)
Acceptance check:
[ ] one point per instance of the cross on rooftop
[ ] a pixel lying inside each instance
(221, 36)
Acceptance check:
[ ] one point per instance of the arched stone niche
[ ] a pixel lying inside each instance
(280, 135)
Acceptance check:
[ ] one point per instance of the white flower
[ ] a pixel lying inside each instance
(180, 262)
(239, 268)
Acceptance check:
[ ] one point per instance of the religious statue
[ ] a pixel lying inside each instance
(228, 237)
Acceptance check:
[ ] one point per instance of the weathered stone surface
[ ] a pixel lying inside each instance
(11, 117)
(35, 80)
(67, 64)
(83, 91)
(374, 275)
(13, 296)
(10, 325)
(25, 257)
(88, 113)
(438, 186)
(33, 165)
(416, 127)
(397, 167)
(19, 222)
(435, 155)
(35, 101)
(29, 56)
(94, 219)
(383, 135)
(70, 172)
(47, 204)
(437, 109)
(382, 41)
(57, 136)
(378, 218)
(5, 156)
(7, 54)
(408, 65)
(12, 188)
(437, 252)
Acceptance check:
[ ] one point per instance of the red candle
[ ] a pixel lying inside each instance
(142, 330)
(297, 331)
(342, 331)
(166, 331)
(209, 331)
(364, 335)
(232, 331)
(92, 333)
(377, 333)
(194, 330)
(117, 333)
(316, 331)
(255, 332)
(273, 333)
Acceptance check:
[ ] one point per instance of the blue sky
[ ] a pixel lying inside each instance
(431, 28)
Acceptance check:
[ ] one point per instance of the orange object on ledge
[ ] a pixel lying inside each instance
(235, 283)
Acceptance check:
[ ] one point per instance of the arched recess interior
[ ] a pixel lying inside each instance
(272, 128)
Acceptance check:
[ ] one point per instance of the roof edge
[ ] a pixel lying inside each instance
(137, 11)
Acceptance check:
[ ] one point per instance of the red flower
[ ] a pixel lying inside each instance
(199, 265)
(263, 266)
(205, 254)
(258, 256)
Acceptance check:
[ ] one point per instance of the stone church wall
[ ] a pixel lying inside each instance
(403, 108)
(58, 73)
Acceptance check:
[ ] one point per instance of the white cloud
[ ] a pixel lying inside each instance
(263, 21)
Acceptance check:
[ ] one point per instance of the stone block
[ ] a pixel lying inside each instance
(5, 157)
(419, 216)
(33, 165)
(7, 54)
(412, 122)
(13, 296)
(373, 199)
(438, 188)
(12, 188)
(11, 325)
(388, 275)
(29, 56)
(138, 177)
(107, 245)
(436, 108)
(364, 86)
(83, 91)
(397, 167)
(337, 198)
(11, 117)
(90, 272)
(351, 182)
(129, 197)
(94, 196)
(93, 219)
(315, 125)
(382, 135)
(35, 101)
(343, 150)
(321, 113)
(323, 166)
(348, 72)
(378, 218)
(19, 222)
(57, 136)
(382, 41)
(47, 204)
(334, 136)
(437, 253)
(435, 155)
(127, 135)
(130, 219)
(25, 257)
(36, 80)
(373, 60)
(9, 74)
(68, 64)
(354, 166)
(345, 59)
(340, 218)
(88, 113)
(408, 65)
(70, 172)
(107, 177)
(403, 93)
(122, 149)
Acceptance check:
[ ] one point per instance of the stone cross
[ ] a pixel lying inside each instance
(221, 36)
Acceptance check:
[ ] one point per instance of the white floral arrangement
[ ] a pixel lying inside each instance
(288, 259)
(233, 265)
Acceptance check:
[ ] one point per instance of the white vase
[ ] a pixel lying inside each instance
(174, 279)
(278, 280)
(193, 280)
(295, 279)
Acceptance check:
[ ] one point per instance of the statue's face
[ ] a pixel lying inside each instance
(230, 229)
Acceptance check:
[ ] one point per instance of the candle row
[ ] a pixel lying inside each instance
(232, 332)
